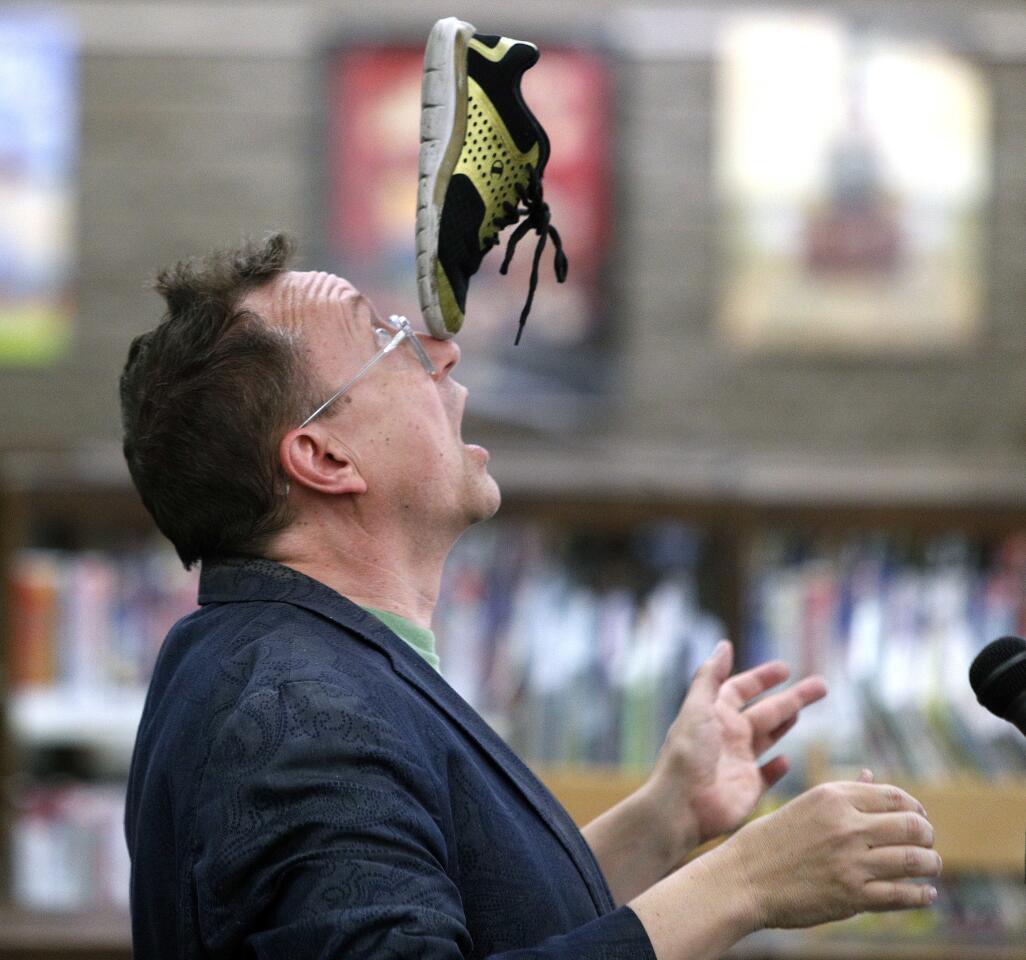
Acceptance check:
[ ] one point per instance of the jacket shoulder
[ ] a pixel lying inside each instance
(262, 645)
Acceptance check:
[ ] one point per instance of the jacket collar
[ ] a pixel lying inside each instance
(235, 580)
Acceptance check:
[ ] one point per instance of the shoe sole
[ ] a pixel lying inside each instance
(443, 126)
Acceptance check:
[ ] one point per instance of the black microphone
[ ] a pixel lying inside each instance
(998, 678)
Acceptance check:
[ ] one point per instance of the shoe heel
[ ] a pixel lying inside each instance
(443, 125)
(443, 98)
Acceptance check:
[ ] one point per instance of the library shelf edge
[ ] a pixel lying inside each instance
(100, 718)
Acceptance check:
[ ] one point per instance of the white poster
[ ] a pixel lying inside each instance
(854, 172)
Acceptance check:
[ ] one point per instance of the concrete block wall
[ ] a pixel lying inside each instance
(197, 124)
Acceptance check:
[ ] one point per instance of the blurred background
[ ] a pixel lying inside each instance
(780, 397)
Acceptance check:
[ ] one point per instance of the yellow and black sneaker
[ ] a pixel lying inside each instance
(482, 156)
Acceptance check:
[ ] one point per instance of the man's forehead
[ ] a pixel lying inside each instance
(299, 297)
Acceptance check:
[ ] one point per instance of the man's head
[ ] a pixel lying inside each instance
(212, 400)
(388, 454)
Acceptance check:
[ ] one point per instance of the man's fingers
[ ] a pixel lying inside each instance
(775, 711)
(894, 863)
(772, 712)
(750, 684)
(883, 798)
(899, 829)
(810, 690)
(892, 895)
(717, 668)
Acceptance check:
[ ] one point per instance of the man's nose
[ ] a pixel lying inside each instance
(444, 354)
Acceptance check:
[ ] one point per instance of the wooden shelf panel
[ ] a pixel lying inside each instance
(980, 825)
(108, 721)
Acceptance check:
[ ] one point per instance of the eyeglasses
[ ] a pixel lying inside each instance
(388, 340)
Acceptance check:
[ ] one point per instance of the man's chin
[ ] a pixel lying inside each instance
(485, 500)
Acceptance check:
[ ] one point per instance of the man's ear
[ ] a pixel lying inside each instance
(312, 458)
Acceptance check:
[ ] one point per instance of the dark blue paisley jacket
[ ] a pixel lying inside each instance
(304, 785)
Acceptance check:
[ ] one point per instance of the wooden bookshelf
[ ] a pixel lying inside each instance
(92, 504)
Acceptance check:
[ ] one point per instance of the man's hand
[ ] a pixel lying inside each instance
(707, 778)
(834, 851)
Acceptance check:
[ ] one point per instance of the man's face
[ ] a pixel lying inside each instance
(399, 425)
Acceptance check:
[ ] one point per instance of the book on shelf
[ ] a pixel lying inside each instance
(85, 630)
(68, 849)
(92, 620)
(580, 647)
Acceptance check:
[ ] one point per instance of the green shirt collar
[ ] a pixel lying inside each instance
(420, 638)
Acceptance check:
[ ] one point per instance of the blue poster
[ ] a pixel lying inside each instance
(38, 139)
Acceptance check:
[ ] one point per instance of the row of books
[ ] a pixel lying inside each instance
(894, 626)
(92, 620)
(579, 649)
(68, 849)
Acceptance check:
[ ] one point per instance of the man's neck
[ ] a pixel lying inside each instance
(380, 571)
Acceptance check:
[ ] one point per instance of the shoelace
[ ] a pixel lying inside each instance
(537, 217)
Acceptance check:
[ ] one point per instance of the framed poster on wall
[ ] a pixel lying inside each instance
(853, 169)
(556, 378)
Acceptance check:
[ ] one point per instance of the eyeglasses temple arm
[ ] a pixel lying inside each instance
(359, 375)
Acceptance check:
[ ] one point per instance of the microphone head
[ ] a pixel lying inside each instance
(998, 674)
